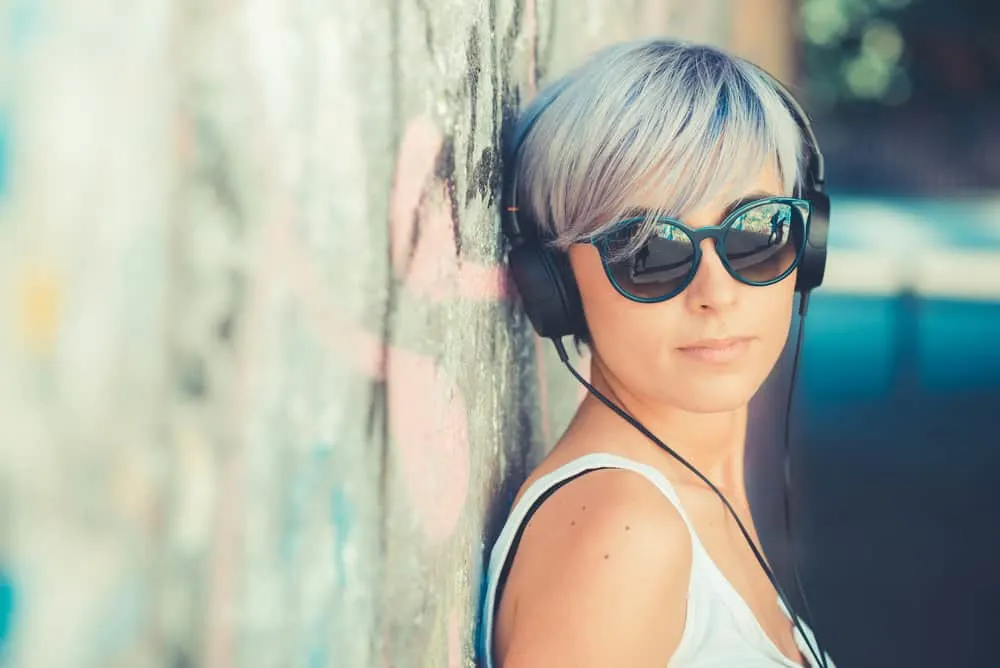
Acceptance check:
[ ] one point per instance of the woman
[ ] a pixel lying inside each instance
(651, 209)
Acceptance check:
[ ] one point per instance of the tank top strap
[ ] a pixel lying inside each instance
(501, 556)
(653, 475)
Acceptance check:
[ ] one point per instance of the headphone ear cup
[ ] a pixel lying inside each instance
(548, 290)
(813, 263)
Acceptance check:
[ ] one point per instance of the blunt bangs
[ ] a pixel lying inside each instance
(653, 121)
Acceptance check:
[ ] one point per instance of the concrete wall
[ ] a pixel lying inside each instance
(264, 391)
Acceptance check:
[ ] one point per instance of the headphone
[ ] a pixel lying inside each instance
(551, 298)
(543, 275)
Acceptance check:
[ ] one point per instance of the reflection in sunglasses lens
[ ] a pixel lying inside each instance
(761, 245)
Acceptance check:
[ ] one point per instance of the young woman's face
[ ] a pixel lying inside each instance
(706, 350)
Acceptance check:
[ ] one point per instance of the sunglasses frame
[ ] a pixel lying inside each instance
(715, 232)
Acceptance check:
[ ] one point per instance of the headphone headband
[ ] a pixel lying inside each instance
(817, 165)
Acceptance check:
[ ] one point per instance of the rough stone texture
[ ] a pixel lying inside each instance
(265, 393)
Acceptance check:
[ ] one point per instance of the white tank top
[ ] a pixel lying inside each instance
(720, 631)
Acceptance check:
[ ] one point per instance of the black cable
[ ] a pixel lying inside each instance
(651, 436)
(787, 466)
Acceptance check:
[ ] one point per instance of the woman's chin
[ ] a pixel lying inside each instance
(713, 395)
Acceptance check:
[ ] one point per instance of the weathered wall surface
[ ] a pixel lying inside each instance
(264, 389)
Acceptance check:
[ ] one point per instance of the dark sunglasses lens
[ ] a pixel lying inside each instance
(765, 242)
(659, 268)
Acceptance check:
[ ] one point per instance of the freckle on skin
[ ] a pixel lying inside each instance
(628, 528)
(585, 507)
(605, 556)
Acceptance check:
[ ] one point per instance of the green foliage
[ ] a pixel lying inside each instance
(855, 50)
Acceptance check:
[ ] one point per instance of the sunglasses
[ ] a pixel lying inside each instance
(759, 243)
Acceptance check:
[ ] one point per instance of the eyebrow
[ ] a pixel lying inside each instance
(642, 212)
(746, 199)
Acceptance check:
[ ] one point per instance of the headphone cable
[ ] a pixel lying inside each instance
(564, 357)
(787, 467)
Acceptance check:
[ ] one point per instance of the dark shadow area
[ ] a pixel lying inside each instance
(895, 496)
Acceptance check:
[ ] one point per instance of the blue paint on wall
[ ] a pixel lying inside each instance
(317, 657)
(7, 600)
(23, 22)
(342, 518)
(20, 24)
(297, 499)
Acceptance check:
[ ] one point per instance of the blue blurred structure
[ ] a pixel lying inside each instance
(6, 609)
(897, 435)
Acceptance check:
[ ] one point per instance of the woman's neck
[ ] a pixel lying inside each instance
(713, 443)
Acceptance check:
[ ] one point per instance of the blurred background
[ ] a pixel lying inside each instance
(265, 393)
(896, 424)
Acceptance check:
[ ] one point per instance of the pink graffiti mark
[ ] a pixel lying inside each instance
(307, 285)
(422, 240)
(427, 412)
(428, 420)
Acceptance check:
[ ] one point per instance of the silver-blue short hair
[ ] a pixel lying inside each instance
(693, 122)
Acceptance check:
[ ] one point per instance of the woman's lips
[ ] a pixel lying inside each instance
(717, 351)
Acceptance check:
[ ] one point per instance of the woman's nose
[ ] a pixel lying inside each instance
(712, 287)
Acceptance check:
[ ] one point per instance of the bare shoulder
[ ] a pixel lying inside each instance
(599, 578)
